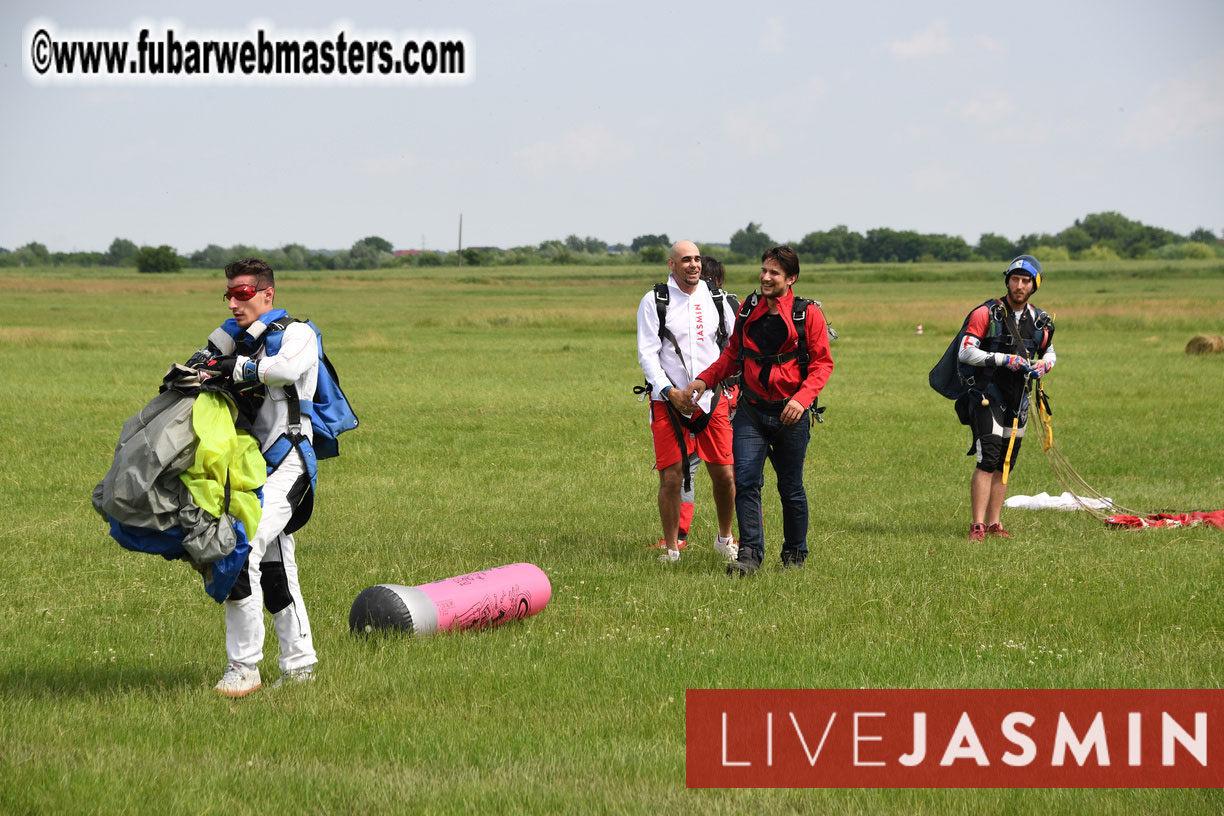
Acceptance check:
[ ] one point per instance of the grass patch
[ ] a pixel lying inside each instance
(498, 426)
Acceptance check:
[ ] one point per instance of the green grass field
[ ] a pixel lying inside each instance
(498, 426)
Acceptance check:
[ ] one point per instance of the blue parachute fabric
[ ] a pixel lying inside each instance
(166, 543)
(220, 576)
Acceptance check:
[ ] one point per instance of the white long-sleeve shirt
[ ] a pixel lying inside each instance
(693, 320)
(297, 363)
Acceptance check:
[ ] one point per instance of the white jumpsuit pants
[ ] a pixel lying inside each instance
(244, 623)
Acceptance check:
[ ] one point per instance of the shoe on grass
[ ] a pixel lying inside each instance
(996, 529)
(740, 569)
(303, 675)
(661, 544)
(977, 532)
(669, 556)
(238, 681)
(729, 550)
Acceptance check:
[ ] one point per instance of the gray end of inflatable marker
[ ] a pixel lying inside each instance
(391, 606)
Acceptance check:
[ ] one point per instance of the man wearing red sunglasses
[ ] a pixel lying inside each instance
(270, 362)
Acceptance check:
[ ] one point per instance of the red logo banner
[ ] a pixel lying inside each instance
(954, 738)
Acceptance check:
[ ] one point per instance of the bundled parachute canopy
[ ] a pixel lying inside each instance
(1212, 519)
(185, 482)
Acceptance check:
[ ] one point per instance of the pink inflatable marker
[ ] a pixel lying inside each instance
(473, 601)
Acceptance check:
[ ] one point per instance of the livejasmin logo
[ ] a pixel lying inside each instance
(965, 743)
(955, 738)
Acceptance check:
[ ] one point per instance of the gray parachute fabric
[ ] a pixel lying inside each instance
(146, 502)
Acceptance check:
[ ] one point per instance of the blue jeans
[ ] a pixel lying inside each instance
(759, 434)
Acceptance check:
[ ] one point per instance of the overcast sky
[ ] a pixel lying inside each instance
(615, 119)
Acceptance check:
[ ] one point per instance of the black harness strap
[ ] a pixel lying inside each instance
(772, 359)
(663, 298)
(1009, 321)
(720, 338)
(801, 352)
(799, 308)
(694, 424)
(799, 318)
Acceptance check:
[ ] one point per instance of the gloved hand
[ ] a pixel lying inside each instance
(246, 370)
(1039, 368)
(222, 367)
(201, 357)
(1013, 361)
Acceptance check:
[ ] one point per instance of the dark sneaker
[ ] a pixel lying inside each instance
(792, 563)
(977, 532)
(739, 569)
(997, 530)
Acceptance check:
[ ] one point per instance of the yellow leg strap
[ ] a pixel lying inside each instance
(1010, 444)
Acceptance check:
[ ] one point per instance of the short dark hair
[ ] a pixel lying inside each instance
(712, 271)
(251, 266)
(786, 258)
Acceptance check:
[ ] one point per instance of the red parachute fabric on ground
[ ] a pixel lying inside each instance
(1213, 519)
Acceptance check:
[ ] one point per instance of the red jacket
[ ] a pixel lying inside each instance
(784, 381)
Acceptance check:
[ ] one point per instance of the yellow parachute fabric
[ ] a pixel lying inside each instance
(223, 452)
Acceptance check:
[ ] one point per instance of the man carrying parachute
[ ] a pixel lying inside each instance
(283, 389)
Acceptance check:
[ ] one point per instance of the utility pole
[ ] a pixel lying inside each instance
(461, 240)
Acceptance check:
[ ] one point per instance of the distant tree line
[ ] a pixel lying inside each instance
(1100, 236)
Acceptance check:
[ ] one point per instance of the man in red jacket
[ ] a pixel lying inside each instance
(778, 392)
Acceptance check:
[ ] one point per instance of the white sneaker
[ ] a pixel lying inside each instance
(729, 551)
(238, 681)
(669, 556)
(302, 675)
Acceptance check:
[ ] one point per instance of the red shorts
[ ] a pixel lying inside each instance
(713, 444)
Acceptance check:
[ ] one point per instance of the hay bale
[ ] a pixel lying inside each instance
(1205, 344)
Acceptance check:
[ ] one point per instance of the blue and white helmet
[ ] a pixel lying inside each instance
(1025, 265)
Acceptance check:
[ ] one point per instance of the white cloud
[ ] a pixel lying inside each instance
(1183, 109)
(756, 125)
(989, 43)
(584, 148)
(771, 37)
(989, 109)
(754, 130)
(931, 41)
(816, 86)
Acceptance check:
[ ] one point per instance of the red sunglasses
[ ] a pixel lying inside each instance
(243, 293)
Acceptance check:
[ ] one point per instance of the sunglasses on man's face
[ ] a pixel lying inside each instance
(242, 293)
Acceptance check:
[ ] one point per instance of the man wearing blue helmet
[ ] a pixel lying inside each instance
(1007, 341)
